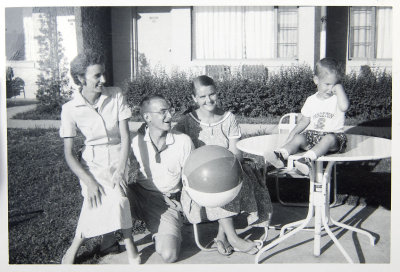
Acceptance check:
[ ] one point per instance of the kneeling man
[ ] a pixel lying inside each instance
(155, 180)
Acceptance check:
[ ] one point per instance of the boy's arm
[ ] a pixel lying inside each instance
(94, 189)
(343, 101)
(301, 125)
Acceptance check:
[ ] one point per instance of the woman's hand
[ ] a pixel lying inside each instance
(94, 193)
(118, 179)
(94, 189)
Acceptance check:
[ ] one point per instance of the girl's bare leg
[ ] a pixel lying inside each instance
(234, 239)
(221, 236)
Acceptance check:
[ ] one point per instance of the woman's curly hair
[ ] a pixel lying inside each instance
(81, 62)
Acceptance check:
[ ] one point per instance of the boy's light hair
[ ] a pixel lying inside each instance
(328, 65)
(144, 104)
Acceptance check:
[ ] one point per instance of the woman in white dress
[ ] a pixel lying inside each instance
(101, 114)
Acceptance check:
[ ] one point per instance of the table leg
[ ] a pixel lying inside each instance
(287, 235)
(318, 202)
(303, 223)
(321, 202)
(290, 226)
(334, 239)
(371, 238)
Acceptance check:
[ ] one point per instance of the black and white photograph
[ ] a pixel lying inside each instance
(157, 135)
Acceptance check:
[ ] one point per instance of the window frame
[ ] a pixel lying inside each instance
(276, 44)
(276, 53)
(373, 34)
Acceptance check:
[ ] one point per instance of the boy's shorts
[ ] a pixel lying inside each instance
(313, 137)
(161, 214)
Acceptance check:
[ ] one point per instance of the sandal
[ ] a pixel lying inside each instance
(253, 249)
(222, 249)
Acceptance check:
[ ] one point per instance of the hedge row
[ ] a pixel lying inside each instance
(285, 91)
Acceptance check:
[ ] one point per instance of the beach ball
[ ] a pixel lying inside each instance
(212, 176)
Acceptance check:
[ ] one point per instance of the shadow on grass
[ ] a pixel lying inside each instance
(21, 217)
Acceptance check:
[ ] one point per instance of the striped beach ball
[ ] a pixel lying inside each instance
(212, 176)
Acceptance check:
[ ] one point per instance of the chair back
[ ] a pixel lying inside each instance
(287, 122)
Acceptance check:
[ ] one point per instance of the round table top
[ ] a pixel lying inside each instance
(359, 147)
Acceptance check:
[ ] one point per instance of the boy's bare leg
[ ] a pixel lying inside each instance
(298, 141)
(69, 256)
(327, 143)
(278, 157)
(131, 249)
(168, 246)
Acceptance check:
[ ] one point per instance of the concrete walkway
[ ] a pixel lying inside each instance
(296, 249)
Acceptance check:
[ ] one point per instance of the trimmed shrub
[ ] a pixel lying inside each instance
(176, 88)
(370, 95)
(255, 96)
(14, 85)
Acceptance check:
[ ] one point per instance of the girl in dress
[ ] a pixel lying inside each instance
(210, 125)
(101, 114)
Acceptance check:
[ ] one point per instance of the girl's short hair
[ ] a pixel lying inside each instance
(201, 81)
(82, 61)
(330, 65)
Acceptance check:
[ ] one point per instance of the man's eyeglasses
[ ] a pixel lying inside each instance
(163, 112)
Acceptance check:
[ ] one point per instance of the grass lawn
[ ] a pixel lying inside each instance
(44, 200)
(44, 196)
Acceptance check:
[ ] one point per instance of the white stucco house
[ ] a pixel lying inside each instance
(208, 39)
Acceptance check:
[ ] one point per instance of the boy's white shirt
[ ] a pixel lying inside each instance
(324, 114)
(164, 175)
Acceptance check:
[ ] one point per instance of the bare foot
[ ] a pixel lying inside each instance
(246, 246)
(68, 258)
(135, 260)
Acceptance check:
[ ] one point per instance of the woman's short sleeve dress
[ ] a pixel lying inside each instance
(252, 199)
(100, 157)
